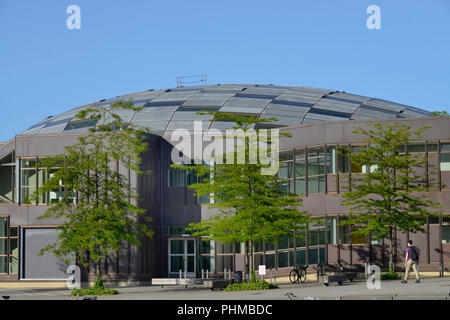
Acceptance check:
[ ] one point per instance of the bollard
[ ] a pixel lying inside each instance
(203, 274)
(270, 275)
(180, 275)
(276, 276)
(225, 273)
(185, 274)
(207, 277)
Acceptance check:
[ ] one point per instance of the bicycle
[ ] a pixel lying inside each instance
(298, 274)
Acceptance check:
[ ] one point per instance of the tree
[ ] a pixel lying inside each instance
(439, 113)
(387, 197)
(252, 206)
(97, 201)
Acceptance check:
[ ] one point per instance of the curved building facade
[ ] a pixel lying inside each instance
(319, 121)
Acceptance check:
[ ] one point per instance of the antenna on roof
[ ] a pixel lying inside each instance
(192, 80)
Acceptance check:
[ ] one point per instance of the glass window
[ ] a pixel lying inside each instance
(28, 163)
(177, 231)
(331, 159)
(13, 246)
(224, 248)
(355, 166)
(315, 161)
(270, 260)
(300, 239)
(270, 246)
(191, 178)
(445, 234)
(445, 146)
(300, 186)
(433, 220)
(6, 176)
(313, 255)
(3, 226)
(286, 165)
(415, 147)
(316, 184)
(344, 234)
(176, 178)
(176, 247)
(313, 237)
(331, 229)
(3, 246)
(28, 178)
(432, 147)
(176, 263)
(13, 264)
(343, 160)
(207, 263)
(3, 264)
(206, 247)
(258, 247)
(322, 254)
(358, 238)
(301, 257)
(283, 243)
(28, 195)
(300, 163)
(283, 259)
(445, 162)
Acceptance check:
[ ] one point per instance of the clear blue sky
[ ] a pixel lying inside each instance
(128, 46)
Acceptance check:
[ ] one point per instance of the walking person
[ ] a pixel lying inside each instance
(411, 260)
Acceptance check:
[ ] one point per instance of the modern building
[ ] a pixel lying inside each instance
(319, 121)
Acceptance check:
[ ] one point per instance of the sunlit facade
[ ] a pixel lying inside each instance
(320, 122)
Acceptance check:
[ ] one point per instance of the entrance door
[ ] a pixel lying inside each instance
(182, 257)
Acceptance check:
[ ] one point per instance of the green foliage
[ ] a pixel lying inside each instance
(387, 197)
(251, 285)
(98, 283)
(390, 276)
(97, 290)
(94, 292)
(105, 215)
(439, 113)
(251, 206)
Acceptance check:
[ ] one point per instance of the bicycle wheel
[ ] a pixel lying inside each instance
(302, 276)
(293, 276)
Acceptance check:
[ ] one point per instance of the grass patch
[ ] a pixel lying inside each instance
(251, 285)
(93, 292)
(98, 289)
(390, 276)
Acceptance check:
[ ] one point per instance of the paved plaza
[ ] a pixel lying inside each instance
(428, 289)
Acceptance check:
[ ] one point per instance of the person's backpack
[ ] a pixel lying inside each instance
(414, 254)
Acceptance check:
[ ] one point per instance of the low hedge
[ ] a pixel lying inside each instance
(93, 292)
(251, 285)
(98, 289)
(390, 276)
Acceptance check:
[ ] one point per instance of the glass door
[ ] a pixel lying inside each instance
(182, 257)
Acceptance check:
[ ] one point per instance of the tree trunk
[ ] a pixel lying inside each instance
(247, 260)
(99, 268)
(252, 261)
(391, 256)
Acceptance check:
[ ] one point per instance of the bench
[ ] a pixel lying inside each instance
(337, 278)
(216, 283)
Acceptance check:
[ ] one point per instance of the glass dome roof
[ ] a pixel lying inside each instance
(163, 111)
